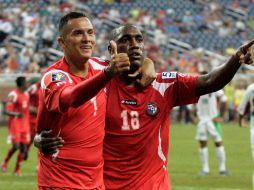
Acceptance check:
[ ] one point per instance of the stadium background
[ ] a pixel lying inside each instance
(185, 35)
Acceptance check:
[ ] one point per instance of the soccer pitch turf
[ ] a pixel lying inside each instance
(184, 163)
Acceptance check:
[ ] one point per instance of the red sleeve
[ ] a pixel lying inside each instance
(9, 107)
(186, 89)
(59, 93)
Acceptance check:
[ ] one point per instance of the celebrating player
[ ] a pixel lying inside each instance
(18, 101)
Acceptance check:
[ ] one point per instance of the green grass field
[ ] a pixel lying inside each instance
(184, 164)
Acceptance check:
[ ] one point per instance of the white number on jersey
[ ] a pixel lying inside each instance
(134, 120)
(93, 101)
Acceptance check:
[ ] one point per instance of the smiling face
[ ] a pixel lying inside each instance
(77, 38)
(130, 40)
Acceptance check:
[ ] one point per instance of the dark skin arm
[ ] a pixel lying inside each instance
(222, 75)
(241, 121)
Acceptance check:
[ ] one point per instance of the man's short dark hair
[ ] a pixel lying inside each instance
(20, 81)
(71, 15)
(117, 31)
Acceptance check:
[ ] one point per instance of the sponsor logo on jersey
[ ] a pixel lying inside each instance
(152, 108)
(129, 102)
(168, 75)
(58, 77)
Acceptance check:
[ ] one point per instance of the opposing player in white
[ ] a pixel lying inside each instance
(248, 102)
(209, 118)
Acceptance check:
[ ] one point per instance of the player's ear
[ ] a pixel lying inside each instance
(61, 41)
(109, 48)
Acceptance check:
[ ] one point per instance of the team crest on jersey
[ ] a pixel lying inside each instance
(58, 77)
(152, 108)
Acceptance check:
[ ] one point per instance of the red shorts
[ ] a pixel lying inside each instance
(159, 181)
(67, 188)
(21, 137)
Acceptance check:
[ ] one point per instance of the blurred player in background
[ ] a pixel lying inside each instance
(18, 108)
(137, 119)
(248, 102)
(208, 113)
(33, 91)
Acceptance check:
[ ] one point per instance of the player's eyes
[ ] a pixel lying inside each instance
(91, 32)
(139, 39)
(76, 33)
(123, 40)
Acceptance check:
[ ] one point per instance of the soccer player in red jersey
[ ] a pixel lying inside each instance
(18, 109)
(73, 105)
(137, 119)
(33, 92)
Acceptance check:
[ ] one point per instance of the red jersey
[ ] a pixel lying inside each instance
(33, 92)
(18, 101)
(9, 107)
(137, 128)
(79, 163)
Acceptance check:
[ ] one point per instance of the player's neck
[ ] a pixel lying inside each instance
(127, 80)
(21, 89)
(78, 68)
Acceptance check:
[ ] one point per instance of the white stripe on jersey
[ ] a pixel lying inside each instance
(32, 89)
(13, 95)
(96, 65)
(161, 87)
(160, 152)
(43, 86)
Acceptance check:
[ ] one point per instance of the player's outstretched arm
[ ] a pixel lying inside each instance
(219, 77)
(47, 144)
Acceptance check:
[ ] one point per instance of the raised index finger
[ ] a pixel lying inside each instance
(248, 45)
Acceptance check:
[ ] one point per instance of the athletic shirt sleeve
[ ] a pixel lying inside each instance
(53, 83)
(177, 88)
(186, 89)
(12, 98)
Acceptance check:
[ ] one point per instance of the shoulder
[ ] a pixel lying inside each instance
(13, 96)
(98, 63)
(56, 76)
(251, 87)
(173, 76)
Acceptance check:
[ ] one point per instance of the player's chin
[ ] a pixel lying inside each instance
(86, 55)
(135, 66)
(136, 62)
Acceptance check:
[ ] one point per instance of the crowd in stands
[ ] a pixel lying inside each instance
(28, 28)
